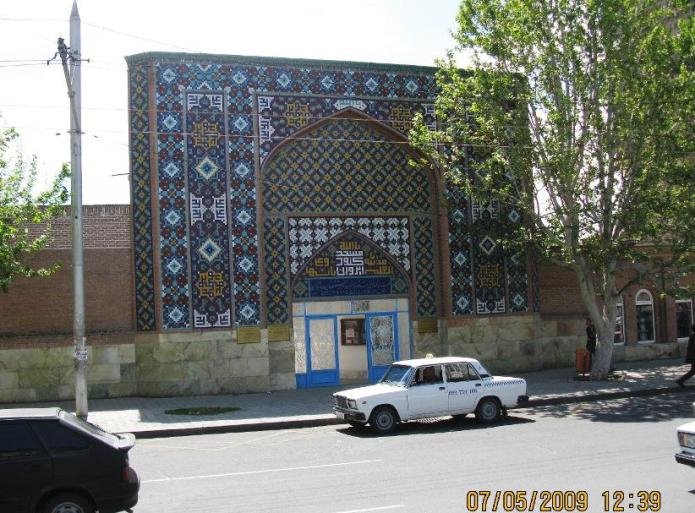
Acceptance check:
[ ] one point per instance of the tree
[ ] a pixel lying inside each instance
(578, 114)
(20, 208)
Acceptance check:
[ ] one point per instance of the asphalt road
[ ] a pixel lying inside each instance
(582, 450)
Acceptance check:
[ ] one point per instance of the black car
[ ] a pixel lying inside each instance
(54, 462)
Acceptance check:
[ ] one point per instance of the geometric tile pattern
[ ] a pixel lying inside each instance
(277, 275)
(218, 119)
(141, 181)
(308, 234)
(281, 116)
(204, 122)
(460, 251)
(326, 171)
(424, 266)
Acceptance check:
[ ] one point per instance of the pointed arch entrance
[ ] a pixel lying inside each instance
(347, 179)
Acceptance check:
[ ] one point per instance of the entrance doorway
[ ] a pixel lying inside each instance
(348, 346)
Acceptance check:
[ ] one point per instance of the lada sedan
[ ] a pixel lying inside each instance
(686, 440)
(430, 387)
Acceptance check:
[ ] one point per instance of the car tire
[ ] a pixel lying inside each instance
(68, 503)
(488, 410)
(383, 420)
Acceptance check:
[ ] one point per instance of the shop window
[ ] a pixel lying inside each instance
(684, 318)
(619, 336)
(352, 332)
(644, 305)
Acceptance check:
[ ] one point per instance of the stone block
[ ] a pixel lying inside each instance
(129, 373)
(171, 372)
(254, 350)
(283, 381)
(9, 359)
(17, 395)
(42, 377)
(126, 353)
(120, 389)
(8, 380)
(546, 329)
(248, 367)
(281, 361)
(104, 373)
(257, 383)
(104, 355)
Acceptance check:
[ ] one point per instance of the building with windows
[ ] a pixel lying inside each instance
(279, 237)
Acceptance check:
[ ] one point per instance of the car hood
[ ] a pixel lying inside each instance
(687, 428)
(370, 391)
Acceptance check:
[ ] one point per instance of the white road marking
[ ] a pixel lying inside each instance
(252, 472)
(382, 508)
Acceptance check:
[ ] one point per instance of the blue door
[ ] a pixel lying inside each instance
(322, 350)
(382, 343)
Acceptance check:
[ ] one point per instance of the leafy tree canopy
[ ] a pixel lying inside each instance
(21, 207)
(579, 114)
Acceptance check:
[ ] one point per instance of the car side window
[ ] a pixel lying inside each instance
(472, 373)
(59, 438)
(17, 439)
(456, 372)
(428, 375)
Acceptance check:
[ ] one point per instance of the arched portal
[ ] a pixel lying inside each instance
(350, 242)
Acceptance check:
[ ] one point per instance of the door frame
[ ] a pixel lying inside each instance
(373, 372)
(326, 377)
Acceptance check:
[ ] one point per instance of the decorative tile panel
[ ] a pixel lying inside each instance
(424, 267)
(141, 180)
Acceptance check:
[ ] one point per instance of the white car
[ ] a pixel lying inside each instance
(430, 387)
(686, 439)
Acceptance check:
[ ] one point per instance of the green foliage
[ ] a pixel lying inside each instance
(20, 208)
(579, 113)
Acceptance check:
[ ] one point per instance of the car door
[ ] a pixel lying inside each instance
(463, 384)
(427, 399)
(25, 466)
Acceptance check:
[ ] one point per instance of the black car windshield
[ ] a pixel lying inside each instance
(92, 429)
(396, 374)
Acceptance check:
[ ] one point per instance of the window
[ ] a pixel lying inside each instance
(352, 332)
(428, 375)
(619, 337)
(59, 438)
(456, 372)
(684, 318)
(16, 438)
(645, 316)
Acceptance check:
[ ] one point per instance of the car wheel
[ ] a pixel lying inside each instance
(68, 503)
(488, 410)
(383, 420)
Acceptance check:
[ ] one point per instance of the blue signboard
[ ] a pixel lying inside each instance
(352, 286)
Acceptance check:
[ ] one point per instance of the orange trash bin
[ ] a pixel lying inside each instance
(581, 363)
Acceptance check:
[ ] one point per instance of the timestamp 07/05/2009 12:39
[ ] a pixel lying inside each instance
(561, 501)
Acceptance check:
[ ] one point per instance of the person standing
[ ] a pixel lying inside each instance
(689, 358)
(590, 340)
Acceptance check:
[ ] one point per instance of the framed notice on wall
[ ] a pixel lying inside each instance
(352, 332)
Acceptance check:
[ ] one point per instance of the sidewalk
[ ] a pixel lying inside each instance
(146, 416)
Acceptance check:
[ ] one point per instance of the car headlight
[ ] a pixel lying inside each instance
(686, 440)
(352, 404)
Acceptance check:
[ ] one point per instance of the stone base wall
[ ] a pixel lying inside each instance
(147, 365)
(216, 362)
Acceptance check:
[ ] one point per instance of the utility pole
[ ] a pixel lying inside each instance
(71, 59)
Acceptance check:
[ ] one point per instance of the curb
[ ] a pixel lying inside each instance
(329, 419)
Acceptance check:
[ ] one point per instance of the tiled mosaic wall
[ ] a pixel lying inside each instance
(212, 123)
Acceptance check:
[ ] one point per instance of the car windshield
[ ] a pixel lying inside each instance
(93, 429)
(396, 374)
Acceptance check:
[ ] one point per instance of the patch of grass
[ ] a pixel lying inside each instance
(202, 410)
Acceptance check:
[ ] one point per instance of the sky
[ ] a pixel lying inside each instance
(33, 95)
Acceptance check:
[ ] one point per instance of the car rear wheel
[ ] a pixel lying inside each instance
(383, 419)
(488, 410)
(68, 503)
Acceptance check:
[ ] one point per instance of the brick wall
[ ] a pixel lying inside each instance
(44, 306)
(560, 295)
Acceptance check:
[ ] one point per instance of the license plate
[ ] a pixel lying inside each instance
(340, 415)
